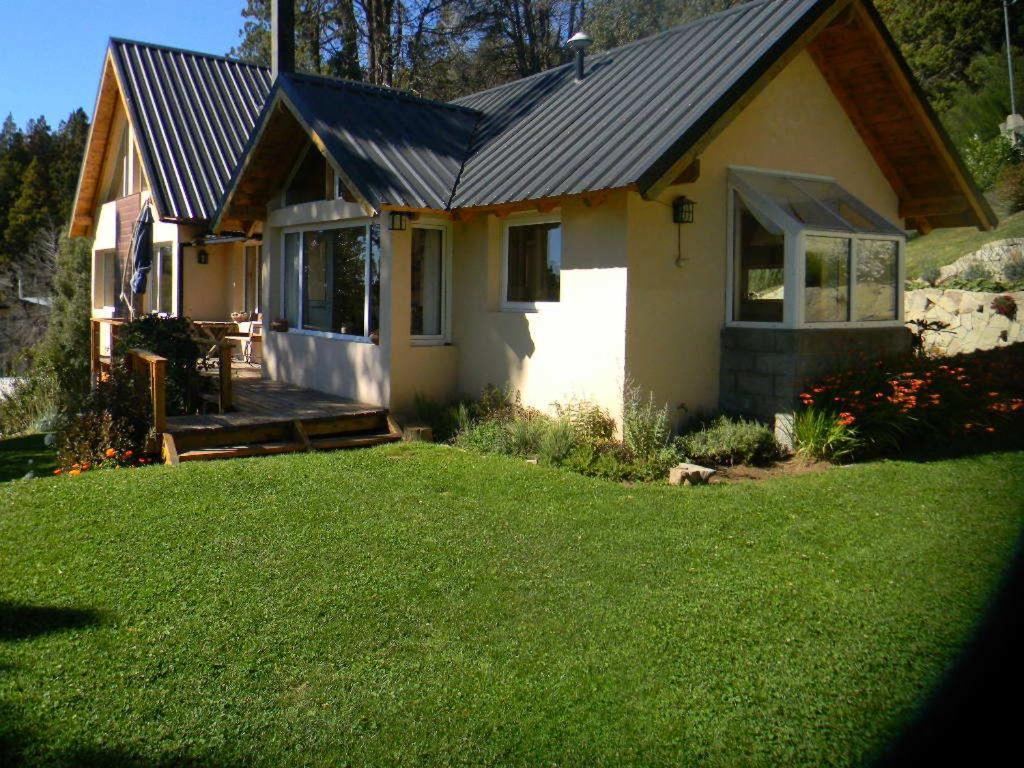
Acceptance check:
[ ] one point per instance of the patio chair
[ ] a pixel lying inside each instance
(249, 334)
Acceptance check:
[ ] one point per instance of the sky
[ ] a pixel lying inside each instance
(52, 51)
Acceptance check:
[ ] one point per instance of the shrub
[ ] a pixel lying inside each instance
(645, 424)
(169, 337)
(589, 422)
(819, 435)
(1010, 187)
(443, 420)
(976, 271)
(726, 441)
(485, 437)
(115, 415)
(1005, 306)
(525, 434)
(559, 440)
(931, 275)
(926, 402)
(981, 285)
(1014, 270)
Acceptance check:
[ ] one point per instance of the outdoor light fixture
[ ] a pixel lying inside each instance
(398, 221)
(202, 257)
(682, 210)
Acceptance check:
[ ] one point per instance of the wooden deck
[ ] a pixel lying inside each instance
(272, 417)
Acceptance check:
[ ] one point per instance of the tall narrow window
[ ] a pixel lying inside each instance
(107, 279)
(533, 263)
(827, 280)
(427, 282)
(162, 270)
(292, 244)
(253, 278)
(334, 280)
(760, 276)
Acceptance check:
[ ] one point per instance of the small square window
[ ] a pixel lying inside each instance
(533, 264)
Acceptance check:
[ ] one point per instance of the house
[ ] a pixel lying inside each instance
(712, 213)
(168, 128)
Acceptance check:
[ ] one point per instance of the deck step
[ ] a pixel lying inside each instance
(348, 441)
(240, 451)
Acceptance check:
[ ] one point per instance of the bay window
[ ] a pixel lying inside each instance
(163, 279)
(806, 252)
(332, 279)
(532, 263)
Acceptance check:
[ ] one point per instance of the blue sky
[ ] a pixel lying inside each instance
(52, 50)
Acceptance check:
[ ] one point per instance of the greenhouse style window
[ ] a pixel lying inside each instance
(805, 252)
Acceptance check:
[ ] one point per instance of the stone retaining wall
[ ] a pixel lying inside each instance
(994, 257)
(972, 324)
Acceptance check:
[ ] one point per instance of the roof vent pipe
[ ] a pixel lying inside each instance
(579, 43)
(282, 37)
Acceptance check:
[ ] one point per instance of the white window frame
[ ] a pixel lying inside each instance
(525, 220)
(156, 278)
(245, 275)
(795, 266)
(99, 302)
(300, 310)
(427, 340)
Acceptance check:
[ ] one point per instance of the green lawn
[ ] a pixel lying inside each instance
(417, 605)
(21, 455)
(944, 246)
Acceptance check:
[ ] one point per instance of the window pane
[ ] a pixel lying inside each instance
(760, 260)
(291, 278)
(840, 202)
(374, 297)
(165, 279)
(252, 278)
(108, 278)
(427, 282)
(876, 279)
(334, 295)
(827, 280)
(310, 181)
(796, 202)
(534, 262)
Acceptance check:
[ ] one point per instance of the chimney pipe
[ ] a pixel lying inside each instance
(579, 43)
(282, 37)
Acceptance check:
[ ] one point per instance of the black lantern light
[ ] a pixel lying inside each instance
(202, 257)
(682, 210)
(397, 222)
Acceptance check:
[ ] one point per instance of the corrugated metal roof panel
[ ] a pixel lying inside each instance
(397, 149)
(193, 115)
(548, 135)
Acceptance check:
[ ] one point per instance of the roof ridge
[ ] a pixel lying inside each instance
(187, 51)
(643, 40)
(380, 90)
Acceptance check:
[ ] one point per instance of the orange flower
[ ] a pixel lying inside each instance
(111, 453)
(127, 454)
(75, 472)
(57, 471)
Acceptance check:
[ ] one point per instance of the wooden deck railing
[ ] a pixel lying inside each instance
(154, 368)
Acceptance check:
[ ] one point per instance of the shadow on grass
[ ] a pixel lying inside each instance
(975, 712)
(23, 622)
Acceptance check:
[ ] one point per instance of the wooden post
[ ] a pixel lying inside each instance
(158, 392)
(224, 366)
(94, 351)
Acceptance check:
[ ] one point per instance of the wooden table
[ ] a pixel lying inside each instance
(211, 333)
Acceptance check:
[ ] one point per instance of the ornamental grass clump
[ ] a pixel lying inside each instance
(819, 435)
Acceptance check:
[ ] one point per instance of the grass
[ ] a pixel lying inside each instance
(21, 455)
(418, 605)
(944, 246)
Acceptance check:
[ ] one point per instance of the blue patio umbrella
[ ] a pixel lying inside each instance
(141, 251)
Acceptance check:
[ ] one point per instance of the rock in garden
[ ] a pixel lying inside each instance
(50, 440)
(689, 474)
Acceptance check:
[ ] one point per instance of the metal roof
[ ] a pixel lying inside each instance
(395, 148)
(638, 108)
(193, 114)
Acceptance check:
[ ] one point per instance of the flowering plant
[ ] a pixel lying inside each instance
(912, 401)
